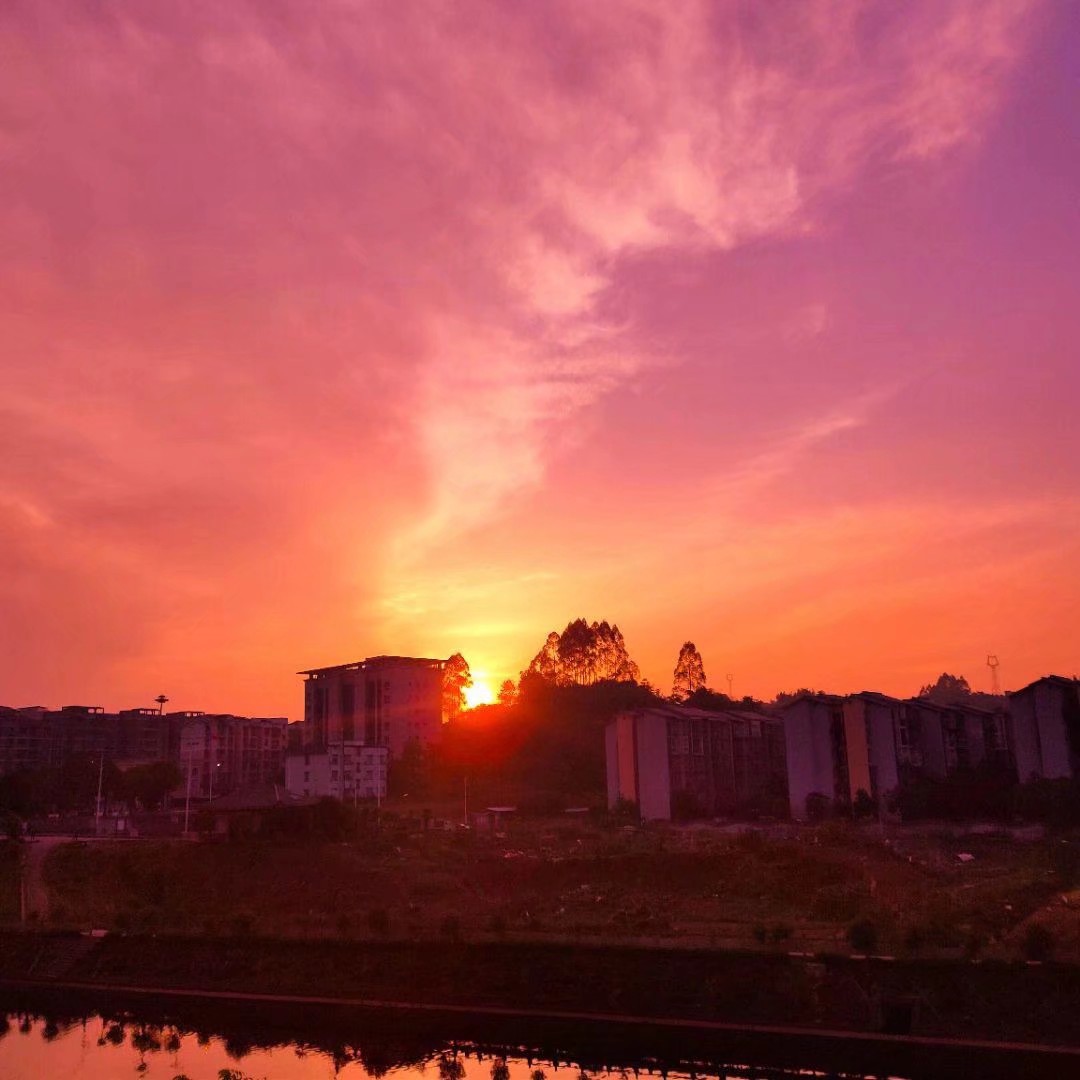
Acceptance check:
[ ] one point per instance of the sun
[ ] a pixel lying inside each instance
(480, 693)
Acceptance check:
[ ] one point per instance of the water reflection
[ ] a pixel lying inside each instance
(177, 1045)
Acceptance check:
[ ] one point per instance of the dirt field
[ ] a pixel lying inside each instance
(777, 889)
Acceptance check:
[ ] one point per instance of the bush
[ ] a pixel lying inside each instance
(450, 928)
(781, 932)
(1038, 942)
(760, 934)
(1065, 862)
(497, 924)
(862, 936)
(686, 806)
(242, 924)
(864, 806)
(378, 921)
(818, 806)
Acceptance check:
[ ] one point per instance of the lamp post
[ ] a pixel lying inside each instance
(217, 765)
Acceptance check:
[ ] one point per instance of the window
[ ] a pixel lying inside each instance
(333, 774)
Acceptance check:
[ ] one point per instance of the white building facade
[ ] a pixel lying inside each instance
(349, 771)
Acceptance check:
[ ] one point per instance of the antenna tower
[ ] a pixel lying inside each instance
(993, 663)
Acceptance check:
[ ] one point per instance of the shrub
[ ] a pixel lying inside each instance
(1065, 862)
(686, 806)
(1038, 942)
(379, 921)
(781, 932)
(497, 924)
(450, 928)
(500, 1070)
(818, 806)
(760, 934)
(862, 936)
(242, 924)
(864, 806)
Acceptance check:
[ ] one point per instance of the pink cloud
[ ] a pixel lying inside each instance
(301, 298)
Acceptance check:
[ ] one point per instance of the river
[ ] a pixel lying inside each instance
(90, 1038)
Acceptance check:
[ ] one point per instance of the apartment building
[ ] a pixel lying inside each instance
(671, 758)
(349, 771)
(1044, 722)
(218, 752)
(382, 701)
(839, 746)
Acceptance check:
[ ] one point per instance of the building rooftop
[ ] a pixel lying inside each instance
(375, 662)
(1059, 680)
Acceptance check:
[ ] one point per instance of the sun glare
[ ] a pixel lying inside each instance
(480, 693)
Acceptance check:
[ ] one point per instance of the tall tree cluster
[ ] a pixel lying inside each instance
(457, 678)
(584, 654)
(689, 673)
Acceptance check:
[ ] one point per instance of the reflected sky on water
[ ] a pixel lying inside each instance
(34, 1047)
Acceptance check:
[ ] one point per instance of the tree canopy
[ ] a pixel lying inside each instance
(584, 654)
(457, 678)
(689, 672)
(948, 690)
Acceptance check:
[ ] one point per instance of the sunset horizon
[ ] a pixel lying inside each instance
(345, 330)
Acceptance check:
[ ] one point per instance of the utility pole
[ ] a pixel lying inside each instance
(187, 797)
(97, 805)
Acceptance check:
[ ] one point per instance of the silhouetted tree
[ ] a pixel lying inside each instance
(584, 654)
(948, 689)
(689, 671)
(790, 695)
(546, 662)
(456, 680)
(149, 784)
(507, 692)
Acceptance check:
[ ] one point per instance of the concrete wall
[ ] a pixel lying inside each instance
(809, 753)
(638, 769)
(1053, 737)
(881, 724)
(858, 748)
(653, 769)
(611, 762)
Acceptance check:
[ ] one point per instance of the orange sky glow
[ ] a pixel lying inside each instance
(332, 329)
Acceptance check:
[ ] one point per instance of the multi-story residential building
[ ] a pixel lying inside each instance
(817, 751)
(40, 738)
(219, 752)
(669, 757)
(839, 746)
(1044, 722)
(348, 771)
(382, 701)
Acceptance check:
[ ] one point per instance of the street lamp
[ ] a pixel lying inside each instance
(217, 765)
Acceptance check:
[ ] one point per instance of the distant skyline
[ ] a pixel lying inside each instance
(333, 329)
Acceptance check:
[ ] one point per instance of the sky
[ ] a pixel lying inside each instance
(341, 328)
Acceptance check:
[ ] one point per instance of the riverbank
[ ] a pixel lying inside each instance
(991, 1001)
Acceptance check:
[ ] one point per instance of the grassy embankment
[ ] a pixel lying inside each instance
(696, 886)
